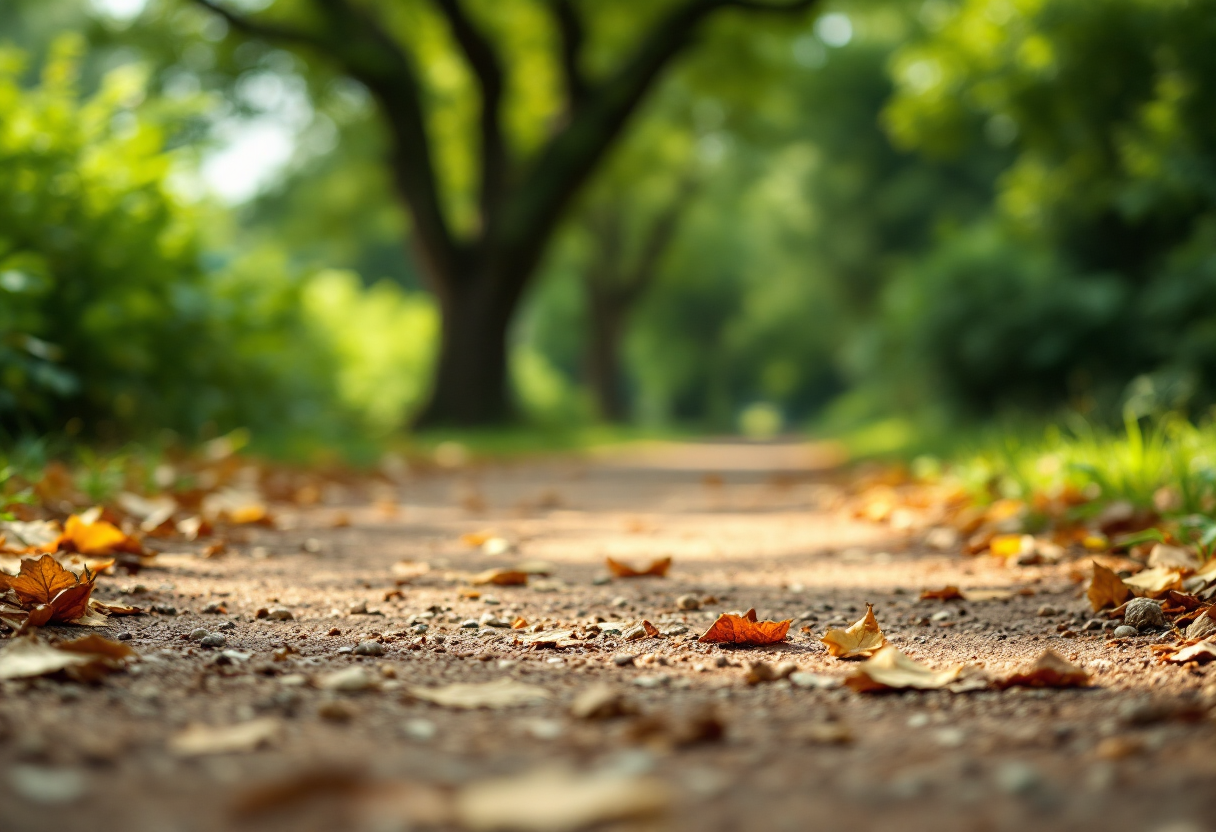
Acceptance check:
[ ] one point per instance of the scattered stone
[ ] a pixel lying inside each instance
(491, 620)
(1143, 614)
(227, 625)
(622, 659)
(1046, 611)
(675, 630)
(1017, 778)
(215, 608)
(164, 609)
(620, 601)
(198, 633)
(214, 640)
(601, 580)
(1093, 624)
(600, 702)
(350, 680)
(634, 633)
(359, 608)
(48, 786)
(658, 680)
(369, 648)
(469, 624)
(124, 636)
(1124, 631)
(336, 711)
(942, 615)
(420, 730)
(279, 614)
(688, 602)
(814, 681)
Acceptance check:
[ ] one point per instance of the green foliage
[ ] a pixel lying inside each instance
(1096, 266)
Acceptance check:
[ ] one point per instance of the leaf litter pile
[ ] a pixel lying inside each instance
(225, 644)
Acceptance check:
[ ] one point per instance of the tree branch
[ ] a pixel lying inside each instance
(662, 234)
(573, 35)
(259, 29)
(486, 67)
(571, 156)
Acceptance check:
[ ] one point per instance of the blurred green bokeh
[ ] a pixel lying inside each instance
(932, 211)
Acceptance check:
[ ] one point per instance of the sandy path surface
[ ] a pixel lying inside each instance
(746, 526)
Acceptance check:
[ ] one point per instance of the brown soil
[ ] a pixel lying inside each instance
(749, 526)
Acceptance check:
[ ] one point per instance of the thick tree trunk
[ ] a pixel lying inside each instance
(470, 383)
(604, 360)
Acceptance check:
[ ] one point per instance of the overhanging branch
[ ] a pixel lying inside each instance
(487, 68)
(572, 34)
(261, 29)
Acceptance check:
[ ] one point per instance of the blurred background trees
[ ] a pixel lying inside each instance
(941, 210)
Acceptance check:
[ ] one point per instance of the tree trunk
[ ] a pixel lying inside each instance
(470, 383)
(604, 359)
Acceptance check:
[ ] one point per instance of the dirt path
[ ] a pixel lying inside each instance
(747, 527)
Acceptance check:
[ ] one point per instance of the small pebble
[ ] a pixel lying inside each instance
(1017, 778)
(656, 681)
(601, 580)
(214, 640)
(688, 602)
(227, 625)
(336, 711)
(124, 636)
(279, 614)
(1092, 625)
(469, 624)
(369, 648)
(1124, 631)
(198, 633)
(350, 680)
(214, 607)
(357, 609)
(622, 659)
(164, 609)
(421, 730)
(1144, 614)
(1046, 611)
(620, 601)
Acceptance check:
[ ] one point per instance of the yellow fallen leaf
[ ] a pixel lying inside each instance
(864, 638)
(95, 538)
(557, 800)
(889, 669)
(501, 693)
(1152, 582)
(656, 569)
(203, 740)
(85, 659)
(1106, 589)
(1011, 545)
(501, 577)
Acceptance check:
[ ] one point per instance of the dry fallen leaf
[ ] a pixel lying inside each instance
(863, 638)
(889, 669)
(500, 577)
(1050, 670)
(202, 740)
(501, 693)
(548, 638)
(48, 592)
(1106, 589)
(1201, 653)
(113, 608)
(84, 659)
(745, 629)
(95, 537)
(657, 568)
(555, 800)
(1153, 582)
(947, 593)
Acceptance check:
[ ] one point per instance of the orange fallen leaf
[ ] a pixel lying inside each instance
(1106, 589)
(889, 669)
(1011, 545)
(745, 629)
(656, 569)
(1050, 670)
(501, 577)
(947, 593)
(48, 591)
(1201, 653)
(863, 638)
(653, 631)
(95, 538)
(519, 623)
(474, 540)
